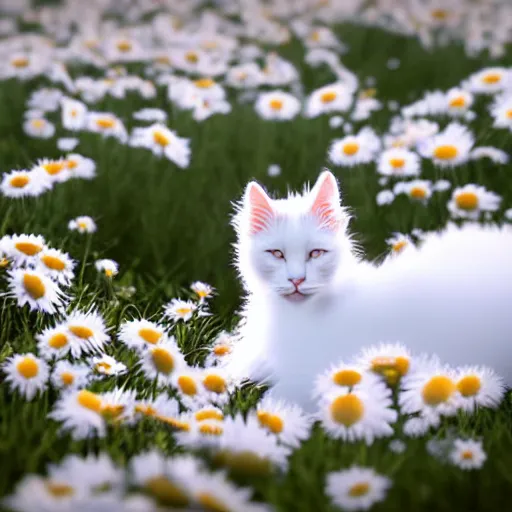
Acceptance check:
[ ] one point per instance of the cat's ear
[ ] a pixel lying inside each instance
(326, 201)
(259, 208)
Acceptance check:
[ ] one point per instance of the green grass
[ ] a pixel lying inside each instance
(167, 228)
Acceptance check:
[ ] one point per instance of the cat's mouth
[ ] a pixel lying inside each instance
(295, 296)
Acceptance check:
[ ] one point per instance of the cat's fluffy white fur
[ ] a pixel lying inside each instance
(452, 296)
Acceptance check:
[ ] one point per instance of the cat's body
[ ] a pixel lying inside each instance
(452, 297)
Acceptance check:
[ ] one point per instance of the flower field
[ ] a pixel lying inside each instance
(128, 130)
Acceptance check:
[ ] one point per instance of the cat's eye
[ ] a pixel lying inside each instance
(276, 253)
(316, 253)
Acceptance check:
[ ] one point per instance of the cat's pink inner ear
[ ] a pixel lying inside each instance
(260, 209)
(326, 201)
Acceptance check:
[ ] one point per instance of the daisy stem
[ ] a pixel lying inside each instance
(154, 389)
(84, 260)
(6, 218)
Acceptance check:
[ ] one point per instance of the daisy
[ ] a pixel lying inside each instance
(80, 167)
(336, 97)
(490, 80)
(161, 407)
(496, 155)
(397, 446)
(222, 347)
(86, 331)
(66, 375)
(207, 412)
(79, 411)
(417, 190)
(151, 115)
(73, 114)
(501, 111)
(277, 106)
(53, 342)
(355, 149)
(139, 334)
(459, 101)
(206, 434)
(23, 249)
(398, 162)
(398, 243)
(441, 186)
(356, 488)
(56, 171)
(161, 361)
(178, 309)
(67, 143)
(118, 405)
(478, 387)
(341, 377)
(217, 384)
(39, 128)
(467, 454)
(107, 124)
(167, 480)
(26, 373)
(187, 381)
(35, 289)
(57, 265)
(107, 365)
(248, 448)
(107, 267)
(83, 224)
(471, 200)
(429, 389)
(449, 148)
(288, 422)
(365, 413)
(202, 290)
(24, 183)
(213, 491)
(384, 197)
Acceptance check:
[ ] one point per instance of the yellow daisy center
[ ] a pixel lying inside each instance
(368, 93)
(245, 462)
(4, 262)
(67, 378)
(467, 455)
(418, 192)
(187, 385)
(112, 412)
(149, 335)
(397, 163)
(347, 410)
(271, 421)
(73, 112)
(209, 414)
(53, 263)
(82, 225)
(106, 367)
(350, 148)
(20, 62)
(58, 340)
(59, 490)
(173, 422)
(124, 46)
(160, 138)
(20, 181)
(212, 504)
(28, 248)
(28, 368)
(347, 378)
(71, 164)
(391, 367)
(163, 59)
(34, 286)
(458, 102)
(221, 350)
(439, 14)
(214, 383)
(276, 104)
(109, 272)
(163, 360)
(183, 310)
(147, 410)
(315, 36)
(399, 246)
(166, 492)
(192, 57)
(469, 385)
(359, 489)
(211, 430)
(438, 390)
(204, 83)
(81, 331)
(491, 78)
(328, 97)
(90, 400)
(105, 122)
(54, 168)
(38, 123)
(466, 201)
(446, 152)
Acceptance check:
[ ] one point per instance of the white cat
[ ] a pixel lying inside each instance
(312, 301)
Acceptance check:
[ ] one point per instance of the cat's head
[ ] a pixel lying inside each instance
(291, 247)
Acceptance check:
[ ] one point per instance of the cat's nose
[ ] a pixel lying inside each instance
(297, 281)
